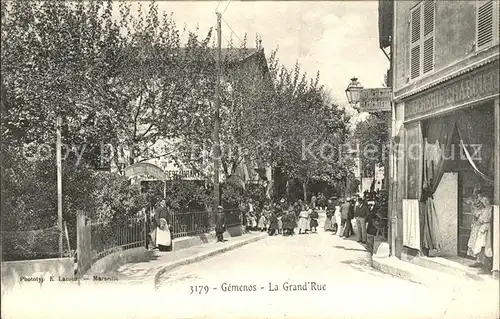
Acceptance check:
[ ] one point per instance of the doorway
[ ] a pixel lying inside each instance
(467, 180)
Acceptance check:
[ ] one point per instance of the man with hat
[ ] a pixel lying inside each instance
(220, 224)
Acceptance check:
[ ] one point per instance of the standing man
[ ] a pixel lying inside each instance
(344, 214)
(361, 213)
(220, 225)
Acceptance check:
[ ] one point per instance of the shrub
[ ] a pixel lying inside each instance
(186, 195)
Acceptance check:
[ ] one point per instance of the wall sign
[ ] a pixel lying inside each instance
(465, 90)
(375, 100)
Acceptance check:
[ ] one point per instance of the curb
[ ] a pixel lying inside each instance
(430, 278)
(394, 271)
(201, 256)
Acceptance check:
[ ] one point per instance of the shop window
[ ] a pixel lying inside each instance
(487, 25)
(422, 21)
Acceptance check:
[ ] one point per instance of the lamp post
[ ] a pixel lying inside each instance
(353, 92)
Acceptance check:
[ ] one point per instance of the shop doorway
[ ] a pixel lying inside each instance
(467, 180)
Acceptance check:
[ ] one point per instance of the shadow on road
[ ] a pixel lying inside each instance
(351, 249)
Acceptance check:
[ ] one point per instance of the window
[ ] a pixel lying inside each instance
(487, 26)
(422, 39)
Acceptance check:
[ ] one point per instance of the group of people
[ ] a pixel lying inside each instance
(341, 212)
(284, 218)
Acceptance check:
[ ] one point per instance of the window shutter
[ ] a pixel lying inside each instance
(415, 30)
(415, 25)
(484, 24)
(428, 47)
(415, 62)
(428, 17)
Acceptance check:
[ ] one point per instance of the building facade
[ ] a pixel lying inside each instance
(446, 117)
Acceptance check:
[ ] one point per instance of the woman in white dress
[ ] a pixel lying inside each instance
(338, 220)
(163, 236)
(480, 243)
(303, 220)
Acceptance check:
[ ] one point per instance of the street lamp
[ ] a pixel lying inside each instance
(353, 91)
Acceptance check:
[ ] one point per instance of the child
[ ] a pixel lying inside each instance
(262, 223)
(314, 220)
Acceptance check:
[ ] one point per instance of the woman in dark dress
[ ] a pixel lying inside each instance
(273, 224)
(330, 209)
(314, 221)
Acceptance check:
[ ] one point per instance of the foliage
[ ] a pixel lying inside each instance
(309, 127)
(232, 196)
(29, 194)
(372, 135)
(382, 205)
(184, 196)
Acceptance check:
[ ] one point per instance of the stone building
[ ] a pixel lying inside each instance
(445, 80)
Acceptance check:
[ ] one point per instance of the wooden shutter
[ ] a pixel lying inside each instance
(415, 35)
(428, 37)
(484, 30)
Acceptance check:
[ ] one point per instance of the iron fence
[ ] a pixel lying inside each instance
(108, 237)
(198, 222)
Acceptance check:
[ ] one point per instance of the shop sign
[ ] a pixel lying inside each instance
(375, 100)
(145, 169)
(462, 91)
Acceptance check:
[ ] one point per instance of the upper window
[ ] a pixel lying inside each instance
(422, 39)
(487, 26)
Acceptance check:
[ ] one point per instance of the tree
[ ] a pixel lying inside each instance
(309, 127)
(372, 134)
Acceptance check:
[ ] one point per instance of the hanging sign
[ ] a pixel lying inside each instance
(375, 100)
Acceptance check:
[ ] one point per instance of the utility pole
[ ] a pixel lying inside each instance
(59, 184)
(216, 149)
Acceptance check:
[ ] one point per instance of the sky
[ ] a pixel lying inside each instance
(337, 38)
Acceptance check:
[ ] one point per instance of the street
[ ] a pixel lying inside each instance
(265, 279)
(352, 289)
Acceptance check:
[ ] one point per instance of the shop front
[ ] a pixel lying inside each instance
(450, 200)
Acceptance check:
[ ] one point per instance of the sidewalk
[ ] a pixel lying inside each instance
(147, 272)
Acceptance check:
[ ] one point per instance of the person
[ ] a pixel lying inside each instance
(220, 225)
(273, 224)
(314, 220)
(330, 210)
(480, 242)
(350, 217)
(284, 223)
(253, 218)
(322, 201)
(251, 206)
(163, 237)
(344, 213)
(244, 218)
(280, 224)
(303, 220)
(313, 201)
(360, 214)
(292, 220)
(338, 219)
(161, 212)
(263, 222)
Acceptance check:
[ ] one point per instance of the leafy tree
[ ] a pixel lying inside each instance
(309, 129)
(187, 196)
(372, 135)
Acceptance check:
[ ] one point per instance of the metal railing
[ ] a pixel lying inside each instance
(108, 237)
(199, 222)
